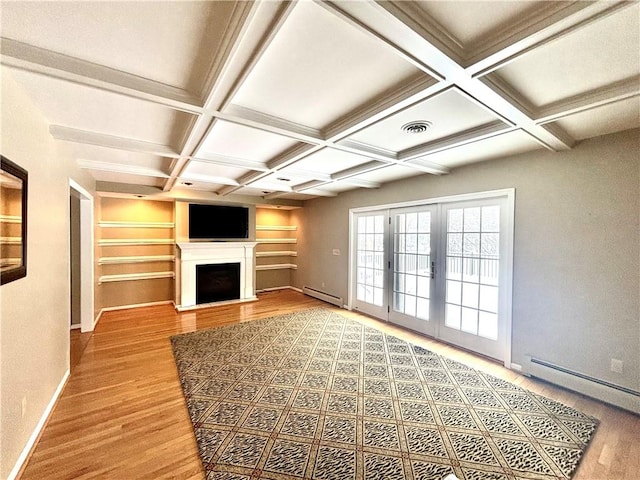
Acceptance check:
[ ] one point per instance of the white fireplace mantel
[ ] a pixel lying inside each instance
(190, 254)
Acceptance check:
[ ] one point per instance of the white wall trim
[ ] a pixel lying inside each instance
(36, 432)
(87, 298)
(135, 305)
(505, 192)
(274, 289)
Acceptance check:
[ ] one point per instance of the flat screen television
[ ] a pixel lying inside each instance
(218, 222)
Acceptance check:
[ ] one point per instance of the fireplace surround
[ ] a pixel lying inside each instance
(190, 255)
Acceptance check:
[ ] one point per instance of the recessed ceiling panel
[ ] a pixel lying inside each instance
(93, 110)
(253, 192)
(169, 42)
(319, 68)
(329, 160)
(471, 22)
(609, 118)
(504, 145)
(282, 180)
(388, 174)
(445, 114)
(594, 56)
(204, 170)
(237, 141)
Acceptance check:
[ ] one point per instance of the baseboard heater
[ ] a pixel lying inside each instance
(609, 392)
(324, 296)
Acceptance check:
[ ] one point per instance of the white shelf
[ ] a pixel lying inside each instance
(11, 240)
(136, 259)
(107, 242)
(10, 219)
(134, 277)
(277, 240)
(136, 224)
(277, 266)
(282, 253)
(276, 228)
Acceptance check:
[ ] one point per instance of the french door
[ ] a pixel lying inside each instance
(442, 269)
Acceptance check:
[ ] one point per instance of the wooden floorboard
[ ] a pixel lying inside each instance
(122, 414)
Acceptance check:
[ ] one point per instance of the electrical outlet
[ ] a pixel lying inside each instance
(616, 365)
(322, 284)
(24, 406)
(336, 251)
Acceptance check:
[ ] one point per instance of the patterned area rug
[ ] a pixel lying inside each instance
(315, 395)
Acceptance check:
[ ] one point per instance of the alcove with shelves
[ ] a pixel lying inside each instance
(276, 253)
(135, 245)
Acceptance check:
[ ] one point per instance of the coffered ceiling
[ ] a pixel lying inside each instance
(294, 100)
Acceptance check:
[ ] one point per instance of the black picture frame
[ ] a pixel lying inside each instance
(17, 178)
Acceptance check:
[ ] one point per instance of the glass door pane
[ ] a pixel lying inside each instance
(411, 267)
(370, 262)
(472, 276)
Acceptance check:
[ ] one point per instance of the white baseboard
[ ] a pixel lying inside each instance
(273, 289)
(36, 432)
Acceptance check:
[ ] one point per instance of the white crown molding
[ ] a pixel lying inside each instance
(63, 67)
(75, 135)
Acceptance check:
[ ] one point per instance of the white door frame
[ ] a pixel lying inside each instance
(509, 193)
(86, 257)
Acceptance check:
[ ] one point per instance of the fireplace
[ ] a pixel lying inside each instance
(217, 282)
(210, 260)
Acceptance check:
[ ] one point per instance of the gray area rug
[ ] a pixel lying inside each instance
(315, 395)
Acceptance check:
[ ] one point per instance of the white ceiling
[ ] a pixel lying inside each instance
(289, 101)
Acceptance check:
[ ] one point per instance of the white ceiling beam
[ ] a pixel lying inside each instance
(319, 193)
(75, 135)
(598, 97)
(120, 168)
(56, 65)
(200, 178)
(517, 41)
(225, 161)
(401, 28)
(455, 140)
(357, 182)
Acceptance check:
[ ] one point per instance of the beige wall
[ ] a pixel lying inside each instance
(34, 328)
(576, 253)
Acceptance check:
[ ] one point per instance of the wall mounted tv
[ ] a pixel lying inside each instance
(218, 222)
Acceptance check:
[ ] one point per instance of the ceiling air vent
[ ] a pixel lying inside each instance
(419, 126)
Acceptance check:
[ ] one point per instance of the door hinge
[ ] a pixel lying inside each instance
(389, 264)
(433, 269)
(388, 308)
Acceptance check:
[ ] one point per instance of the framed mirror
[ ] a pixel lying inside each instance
(13, 221)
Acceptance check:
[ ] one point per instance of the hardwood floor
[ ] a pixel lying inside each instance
(122, 414)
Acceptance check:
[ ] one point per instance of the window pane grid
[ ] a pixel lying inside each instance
(412, 264)
(472, 270)
(370, 260)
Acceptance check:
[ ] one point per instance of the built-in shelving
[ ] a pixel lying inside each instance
(136, 240)
(276, 228)
(104, 224)
(128, 277)
(105, 242)
(277, 266)
(280, 253)
(10, 219)
(136, 259)
(10, 240)
(277, 240)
